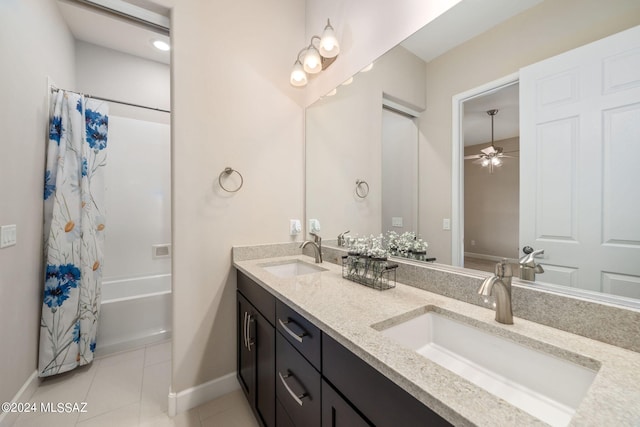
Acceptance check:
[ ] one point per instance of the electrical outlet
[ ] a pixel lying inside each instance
(314, 226)
(396, 221)
(295, 227)
(446, 224)
(7, 235)
(473, 243)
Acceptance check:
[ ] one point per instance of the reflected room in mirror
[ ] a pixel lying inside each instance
(378, 128)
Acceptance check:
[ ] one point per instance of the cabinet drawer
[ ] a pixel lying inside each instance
(301, 333)
(297, 385)
(259, 297)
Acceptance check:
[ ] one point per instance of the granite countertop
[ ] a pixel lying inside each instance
(346, 311)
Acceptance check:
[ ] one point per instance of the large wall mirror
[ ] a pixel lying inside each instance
(374, 162)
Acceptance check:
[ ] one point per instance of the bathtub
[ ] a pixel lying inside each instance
(134, 312)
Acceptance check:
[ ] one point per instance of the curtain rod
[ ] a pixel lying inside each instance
(114, 100)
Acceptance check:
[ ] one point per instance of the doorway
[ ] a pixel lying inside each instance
(479, 213)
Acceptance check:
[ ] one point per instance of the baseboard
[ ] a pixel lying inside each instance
(202, 393)
(7, 419)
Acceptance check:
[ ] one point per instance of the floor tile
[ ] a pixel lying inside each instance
(118, 383)
(48, 420)
(127, 416)
(120, 357)
(185, 419)
(157, 353)
(156, 382)
(69, 387)
(221, 404)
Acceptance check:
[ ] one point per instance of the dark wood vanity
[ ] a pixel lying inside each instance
(294, 375)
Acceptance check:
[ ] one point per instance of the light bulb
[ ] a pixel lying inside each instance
(312, 61)
(485, 162)
(329, 47)
(298, 76)
(348, 81)
(367, 68)
(496, 161)
(161, 45)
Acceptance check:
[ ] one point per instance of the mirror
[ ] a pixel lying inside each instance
(344, 145)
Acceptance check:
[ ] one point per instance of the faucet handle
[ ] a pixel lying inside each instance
(316, 237)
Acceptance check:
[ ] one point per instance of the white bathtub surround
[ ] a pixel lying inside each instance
(134, 312)
(613, 398)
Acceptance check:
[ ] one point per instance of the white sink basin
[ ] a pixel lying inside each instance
(292, 268)
(545, 386)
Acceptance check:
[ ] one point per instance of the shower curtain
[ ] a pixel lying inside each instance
(74, 225)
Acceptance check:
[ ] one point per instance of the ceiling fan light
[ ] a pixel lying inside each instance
(496, 161)
(485, 162)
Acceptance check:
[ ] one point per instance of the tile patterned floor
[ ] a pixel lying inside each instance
(130, 389)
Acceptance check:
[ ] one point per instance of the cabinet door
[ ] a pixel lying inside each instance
(246, 359)
(336, 412)
(264, 337)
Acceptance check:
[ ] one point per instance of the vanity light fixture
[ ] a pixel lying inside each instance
(316, 57)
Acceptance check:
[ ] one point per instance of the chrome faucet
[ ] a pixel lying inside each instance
(342, 239)
(528, 265)
(501, 281)
(316, 245)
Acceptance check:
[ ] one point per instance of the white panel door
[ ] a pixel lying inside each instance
(580, 165)
(399, 172)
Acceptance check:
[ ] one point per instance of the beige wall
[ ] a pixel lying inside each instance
(492, 203)
(548, 29)
(34, 44)
(232, 106)
(344, 143)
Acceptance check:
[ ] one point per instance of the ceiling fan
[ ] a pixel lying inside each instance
(491, 156)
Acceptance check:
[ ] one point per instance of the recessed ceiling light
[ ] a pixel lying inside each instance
(161, 45)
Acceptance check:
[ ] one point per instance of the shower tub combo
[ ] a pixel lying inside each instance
(134, 312)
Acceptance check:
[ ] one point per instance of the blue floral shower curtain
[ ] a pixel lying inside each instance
(74, 225)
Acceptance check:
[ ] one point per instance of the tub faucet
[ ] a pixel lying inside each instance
(501, 281)
(528, 265)
(316, 245)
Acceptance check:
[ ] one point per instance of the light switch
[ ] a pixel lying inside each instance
(396, 221)
(446, 224)
(7, 235)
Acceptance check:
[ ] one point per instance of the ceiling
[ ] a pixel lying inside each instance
(459, 24)
(477, 123)
(104, 29)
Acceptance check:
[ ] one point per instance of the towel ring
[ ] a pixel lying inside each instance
(228, 171)
(362, 188)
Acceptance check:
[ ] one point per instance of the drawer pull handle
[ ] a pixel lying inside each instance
(290, 332)
(297, 398)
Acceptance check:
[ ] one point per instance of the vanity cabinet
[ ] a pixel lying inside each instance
(294, 375)
(337, 412)
(256, 349)
(378, 398)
